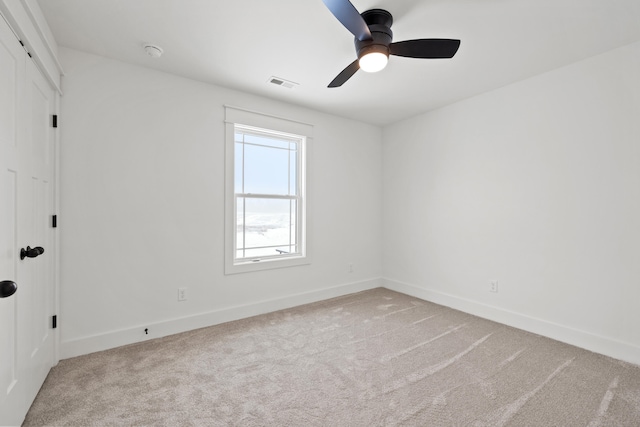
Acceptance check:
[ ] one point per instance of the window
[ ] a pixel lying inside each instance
(267, 194)
(266, 220)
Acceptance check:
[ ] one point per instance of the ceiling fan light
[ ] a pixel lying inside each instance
(373, 62)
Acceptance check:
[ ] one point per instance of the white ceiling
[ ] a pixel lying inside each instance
(241, 43)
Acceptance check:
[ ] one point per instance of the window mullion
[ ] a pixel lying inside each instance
(289, 228)
(244, 204)
(244, 228)
(266, 196)
(289, 170)
(300, 194)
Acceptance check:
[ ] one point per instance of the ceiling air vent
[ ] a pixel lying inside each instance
(282, 82)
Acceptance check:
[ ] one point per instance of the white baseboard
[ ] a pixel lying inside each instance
(586, 340)
(112, 339)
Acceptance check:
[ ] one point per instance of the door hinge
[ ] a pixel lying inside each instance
(54, 121)
(54, 321)
(54, 221)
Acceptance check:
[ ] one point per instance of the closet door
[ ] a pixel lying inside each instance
(12, 85)
(26, 205)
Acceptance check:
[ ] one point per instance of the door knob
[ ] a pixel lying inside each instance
(7, 288)
(31, 252)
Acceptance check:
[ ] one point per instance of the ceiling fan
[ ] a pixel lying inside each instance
(373, 36)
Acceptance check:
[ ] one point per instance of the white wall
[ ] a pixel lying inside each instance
(537, 185)
(142, 179)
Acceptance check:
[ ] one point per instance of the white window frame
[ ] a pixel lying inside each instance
(277, 126)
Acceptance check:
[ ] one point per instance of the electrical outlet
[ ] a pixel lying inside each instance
(493, 286)
(350, 268)
(182, 294)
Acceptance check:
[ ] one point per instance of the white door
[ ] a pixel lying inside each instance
(26, 204)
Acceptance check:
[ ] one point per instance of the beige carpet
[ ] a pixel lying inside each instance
(376, 358)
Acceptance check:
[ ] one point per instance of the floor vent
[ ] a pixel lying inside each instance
(282, 82)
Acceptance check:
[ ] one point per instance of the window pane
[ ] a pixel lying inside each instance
(266, 170)
(266, 228)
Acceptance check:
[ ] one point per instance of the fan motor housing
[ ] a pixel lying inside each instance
(379, 22)
(377, 17)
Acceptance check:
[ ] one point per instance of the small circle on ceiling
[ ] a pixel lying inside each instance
(153, 50)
